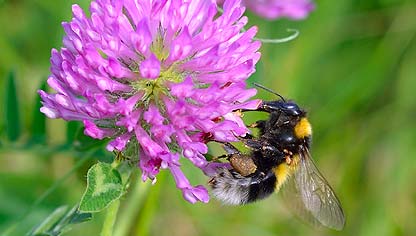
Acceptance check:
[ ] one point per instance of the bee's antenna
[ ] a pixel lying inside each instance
(269, 90)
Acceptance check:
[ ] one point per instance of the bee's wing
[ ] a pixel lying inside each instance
(310, 196)
(293, 200)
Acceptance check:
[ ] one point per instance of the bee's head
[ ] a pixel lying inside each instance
(291, 108)
(287, 107)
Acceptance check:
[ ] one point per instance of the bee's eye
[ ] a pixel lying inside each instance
(291, 108)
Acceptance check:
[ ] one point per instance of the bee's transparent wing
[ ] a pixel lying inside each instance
(293, 200)
(309, 195)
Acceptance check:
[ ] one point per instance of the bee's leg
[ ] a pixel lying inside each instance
(260, 124)
(215, 159)
(229, 148)
(265, 106)
(251, 142)
(241, 163)
(273, 153)
(268, 150)
(269, 106)
(247, 136)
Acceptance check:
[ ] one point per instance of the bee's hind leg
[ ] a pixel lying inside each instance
(241, 163)
(229, 148)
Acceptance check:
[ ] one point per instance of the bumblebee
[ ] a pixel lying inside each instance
(279, 156)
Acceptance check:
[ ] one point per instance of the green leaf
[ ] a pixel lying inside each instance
(83, 142)
(104, 185)
(12, 109)
(74, 216)
(60, 221)
(39, 119)
(45, 226)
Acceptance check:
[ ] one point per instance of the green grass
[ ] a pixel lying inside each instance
(352, 68)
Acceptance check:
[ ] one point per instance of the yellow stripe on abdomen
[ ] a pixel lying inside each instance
(284, 171)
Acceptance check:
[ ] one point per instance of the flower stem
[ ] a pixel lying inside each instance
(110, 219)
(134, 203)
(144, 222)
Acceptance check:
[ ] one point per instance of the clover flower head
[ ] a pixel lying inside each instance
(162, 76)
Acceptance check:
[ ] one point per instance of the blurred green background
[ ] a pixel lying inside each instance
(353, 67)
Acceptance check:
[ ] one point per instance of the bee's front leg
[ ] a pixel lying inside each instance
(260, 124)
